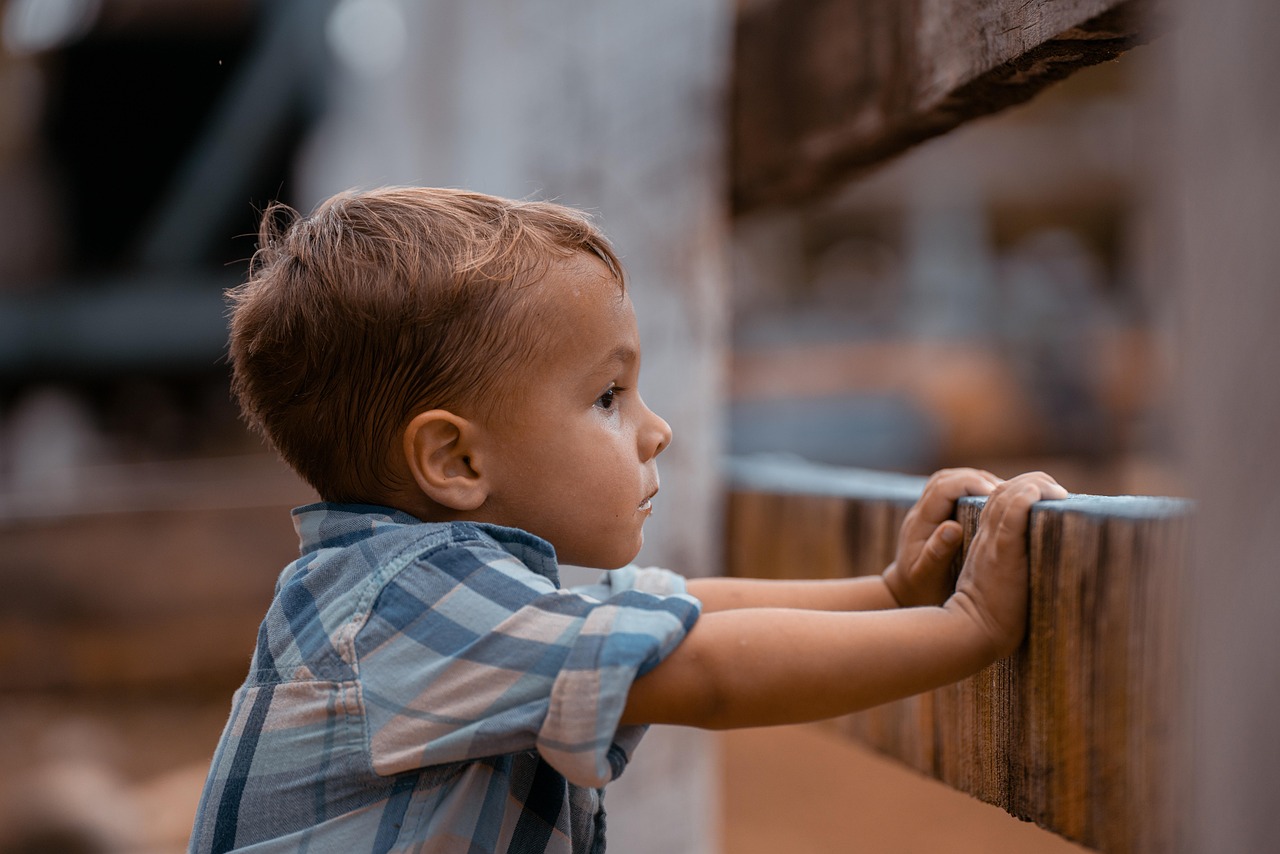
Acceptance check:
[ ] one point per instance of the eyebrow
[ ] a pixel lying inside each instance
(623, 354)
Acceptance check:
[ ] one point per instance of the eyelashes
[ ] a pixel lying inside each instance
(608, 401)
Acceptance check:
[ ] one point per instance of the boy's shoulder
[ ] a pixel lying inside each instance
(366, 572)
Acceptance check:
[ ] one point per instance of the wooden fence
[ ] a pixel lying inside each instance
(1073, 731)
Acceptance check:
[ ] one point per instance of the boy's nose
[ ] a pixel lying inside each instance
(656, 436)
(664, 438)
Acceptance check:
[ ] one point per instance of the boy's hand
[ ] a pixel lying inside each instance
(992, 590)
(929, 538)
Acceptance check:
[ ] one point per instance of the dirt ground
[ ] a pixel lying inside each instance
(802, 789)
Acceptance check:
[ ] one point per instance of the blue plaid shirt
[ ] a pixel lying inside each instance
(432, 688)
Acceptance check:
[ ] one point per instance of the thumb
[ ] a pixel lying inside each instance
(940, 550)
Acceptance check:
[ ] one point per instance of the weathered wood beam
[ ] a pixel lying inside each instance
(1072, 732)
(824, 89)
(148, 577)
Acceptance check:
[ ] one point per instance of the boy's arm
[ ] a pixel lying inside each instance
(756, 667)
(864, 593)
(919, 575)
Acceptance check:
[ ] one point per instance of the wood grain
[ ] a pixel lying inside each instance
(824, 89)
(1072, 732)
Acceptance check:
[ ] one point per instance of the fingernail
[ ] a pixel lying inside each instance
(950, 535)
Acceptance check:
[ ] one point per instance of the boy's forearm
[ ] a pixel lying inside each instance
(763, 667)
(864, 593)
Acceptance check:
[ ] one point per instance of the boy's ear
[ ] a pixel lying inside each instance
(438, 448)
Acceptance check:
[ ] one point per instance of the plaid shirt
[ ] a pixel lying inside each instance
(432, 688)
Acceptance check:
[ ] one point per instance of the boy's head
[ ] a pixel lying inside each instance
(381, 304)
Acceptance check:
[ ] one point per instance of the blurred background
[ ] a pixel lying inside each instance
(980, 300)
(997, 264)
(984, 299)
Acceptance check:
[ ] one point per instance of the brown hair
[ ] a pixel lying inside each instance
(383, 304)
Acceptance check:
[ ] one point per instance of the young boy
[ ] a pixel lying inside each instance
(456, 375)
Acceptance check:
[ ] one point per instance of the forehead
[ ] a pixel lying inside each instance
(581, 306)
(580, 275)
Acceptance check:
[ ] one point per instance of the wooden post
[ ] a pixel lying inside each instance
(1074, 731)
(1219, 188)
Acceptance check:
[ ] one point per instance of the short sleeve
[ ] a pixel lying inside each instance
(646, 579)
(468, 654)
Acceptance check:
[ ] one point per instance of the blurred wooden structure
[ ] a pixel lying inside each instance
(1073, 732)
(151, 578)
(826, 89)
(1220, 199)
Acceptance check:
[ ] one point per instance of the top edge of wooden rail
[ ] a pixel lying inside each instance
(786, 475)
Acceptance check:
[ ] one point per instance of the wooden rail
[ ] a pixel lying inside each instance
(149, 578)
(1072, 732)
(825, 89)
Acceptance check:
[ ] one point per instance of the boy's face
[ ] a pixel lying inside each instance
(574, 456)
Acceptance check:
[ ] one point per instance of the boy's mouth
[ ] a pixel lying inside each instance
(646, 506)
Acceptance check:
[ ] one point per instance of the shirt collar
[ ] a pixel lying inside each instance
(328, 525)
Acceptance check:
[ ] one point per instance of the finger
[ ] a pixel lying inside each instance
(941, 549)
(1015, 509)
(938, 501)
(960, 482)
(1049, 488)
(1008, 511)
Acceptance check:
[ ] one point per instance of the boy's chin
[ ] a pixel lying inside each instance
(613, 562)
(608, 558)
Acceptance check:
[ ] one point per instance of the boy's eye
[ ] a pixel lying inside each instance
(606, 400)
